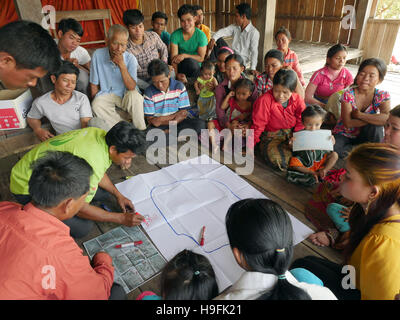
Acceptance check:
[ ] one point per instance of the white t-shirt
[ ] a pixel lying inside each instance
(251, 285)
(80, 54)
(63, 117)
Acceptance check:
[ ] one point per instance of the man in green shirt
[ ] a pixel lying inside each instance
(100, 150)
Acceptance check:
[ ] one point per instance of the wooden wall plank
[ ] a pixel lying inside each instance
(344, 34)
(309, 24)
(319, 11)
(327, 25)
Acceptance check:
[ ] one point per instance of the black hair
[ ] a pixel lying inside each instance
(237, 57)
(285, 31)
(58, 176)
(70, 24)
(312, 111)
(244, 9)
(244, 83)
(377, 63)
(395, 111)
(286, 78)
(67, 67)
(207, 65)
(335, 49)
(274, 53)
(197, 7)
(30, 45)
(159, 15)
(132, 17)
(157, 67)
(262, 231)
(224, 50)
(124, 136)
(185, 9)
(188, 276)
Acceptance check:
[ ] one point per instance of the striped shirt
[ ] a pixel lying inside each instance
(159, 104)
(292, 60)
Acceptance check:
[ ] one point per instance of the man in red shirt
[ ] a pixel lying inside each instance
(39, 259)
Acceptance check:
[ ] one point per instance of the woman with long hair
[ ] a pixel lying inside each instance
(372, 181)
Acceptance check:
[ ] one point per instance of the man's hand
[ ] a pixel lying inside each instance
(118, 59)
(155, 122)
(131, 219)
(178, 59)
(125, 204)
(43, 134)
(74, 61)
(180, 116)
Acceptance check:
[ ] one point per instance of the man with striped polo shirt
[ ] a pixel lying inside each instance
(166, 101)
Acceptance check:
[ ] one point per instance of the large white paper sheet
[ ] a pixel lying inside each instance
(313, 140)
(180, 199)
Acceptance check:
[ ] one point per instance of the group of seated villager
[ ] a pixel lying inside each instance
(102, 107)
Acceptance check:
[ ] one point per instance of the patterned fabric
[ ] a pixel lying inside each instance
(263, 83)
(165, 36)
(158, 103)
(275, 149)
(348, 96)
(311, 159)
(206, 108)
(292, 60)
(151, 48)
(315, 211)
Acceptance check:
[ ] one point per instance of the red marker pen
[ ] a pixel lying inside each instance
(140, 214)
(128, 244)
(202, 236)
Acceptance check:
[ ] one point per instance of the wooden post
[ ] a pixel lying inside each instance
(265, 25)
(219, 23)
(29, 10)
(363, 9)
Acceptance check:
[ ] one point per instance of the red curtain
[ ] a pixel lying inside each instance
(93, 30)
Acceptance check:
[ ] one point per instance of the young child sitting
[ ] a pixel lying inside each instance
(188, 276)
(205, 86)
(306, 167)
(238, 111)
(276, 114)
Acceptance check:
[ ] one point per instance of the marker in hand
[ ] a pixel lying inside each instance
(137, 213)
(128, 244)
(202, 236)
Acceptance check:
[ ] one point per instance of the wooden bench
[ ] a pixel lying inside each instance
(86, 15)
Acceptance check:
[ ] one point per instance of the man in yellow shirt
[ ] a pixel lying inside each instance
(199, 21)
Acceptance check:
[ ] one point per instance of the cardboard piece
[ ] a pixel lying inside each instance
(14, 107)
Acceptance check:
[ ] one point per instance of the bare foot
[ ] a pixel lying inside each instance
(320, 239)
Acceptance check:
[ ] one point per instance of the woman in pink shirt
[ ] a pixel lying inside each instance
(275, 115)
(329, 79)
(283, 38)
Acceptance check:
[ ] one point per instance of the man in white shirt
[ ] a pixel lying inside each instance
(69, 33)
(245, 36)
(65, 108)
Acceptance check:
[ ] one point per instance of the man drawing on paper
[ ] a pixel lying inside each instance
(39, 259)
